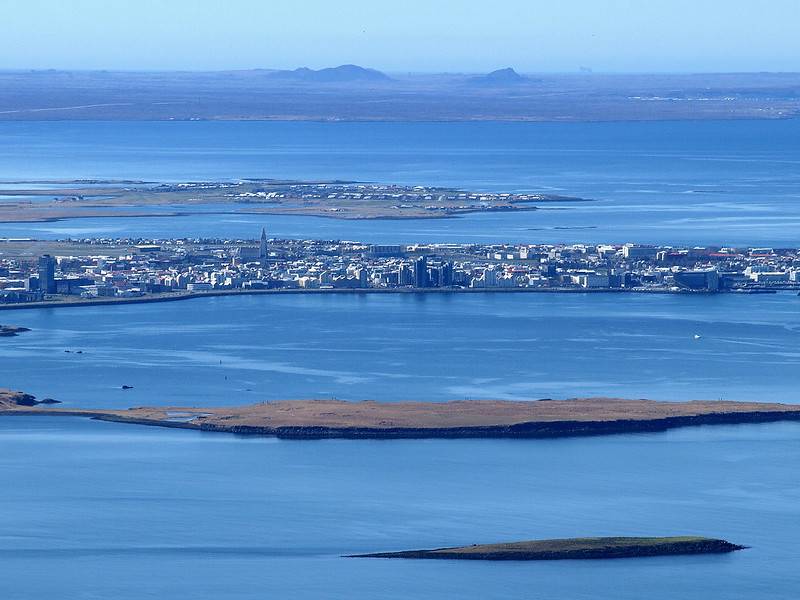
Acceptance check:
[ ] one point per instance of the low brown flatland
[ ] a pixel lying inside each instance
(465, 413)
(468, 418)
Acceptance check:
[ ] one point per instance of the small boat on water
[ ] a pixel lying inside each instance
(697, 336)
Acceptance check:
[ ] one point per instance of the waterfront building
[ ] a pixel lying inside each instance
(698, 279)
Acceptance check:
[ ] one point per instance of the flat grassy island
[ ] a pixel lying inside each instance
(317, 419)
(573, 548)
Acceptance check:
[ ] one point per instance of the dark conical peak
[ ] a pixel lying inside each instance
(505, 76)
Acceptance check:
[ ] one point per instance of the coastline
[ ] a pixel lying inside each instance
(452, 214)
(173, 297)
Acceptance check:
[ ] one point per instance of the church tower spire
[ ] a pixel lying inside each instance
(262, 247)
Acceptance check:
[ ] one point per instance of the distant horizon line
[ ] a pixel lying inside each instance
(579, 71)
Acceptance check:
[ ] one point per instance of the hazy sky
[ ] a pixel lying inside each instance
(403, 35)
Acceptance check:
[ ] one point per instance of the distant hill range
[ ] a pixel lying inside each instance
(340, 74)
(355, 93)
(501, 77)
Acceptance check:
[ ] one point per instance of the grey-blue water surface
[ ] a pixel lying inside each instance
(234, 350)
(100, 510)
(730, 182)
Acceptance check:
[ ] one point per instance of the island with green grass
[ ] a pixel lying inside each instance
(572, 548)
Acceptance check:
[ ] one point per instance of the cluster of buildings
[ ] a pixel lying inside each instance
(374, 191)
(168, 266)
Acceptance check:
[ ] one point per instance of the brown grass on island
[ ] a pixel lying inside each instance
(468, 418)
(463, 413)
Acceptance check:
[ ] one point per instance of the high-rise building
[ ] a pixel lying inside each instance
(404, 276)
(421, 272)
(446, 274)
(434, 276)
(490, 277)
(47, 274)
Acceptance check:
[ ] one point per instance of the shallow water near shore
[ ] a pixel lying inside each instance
(94, 509)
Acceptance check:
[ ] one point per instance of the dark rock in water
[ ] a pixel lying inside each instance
(21, 399)
(127, 387)
(11, 331)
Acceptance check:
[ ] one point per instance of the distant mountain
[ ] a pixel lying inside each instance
(507, 76)
(341, 74)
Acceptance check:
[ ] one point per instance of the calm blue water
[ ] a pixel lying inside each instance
(245, 349)
(730, 182)
(100, 510)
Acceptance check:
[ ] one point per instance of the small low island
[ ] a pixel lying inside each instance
(11, 330)
(572, 549)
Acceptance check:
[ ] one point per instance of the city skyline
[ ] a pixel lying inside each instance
(150, 268)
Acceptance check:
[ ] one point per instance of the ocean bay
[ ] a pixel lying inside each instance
(214, 515)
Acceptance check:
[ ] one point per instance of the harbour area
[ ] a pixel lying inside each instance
(75, 272)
